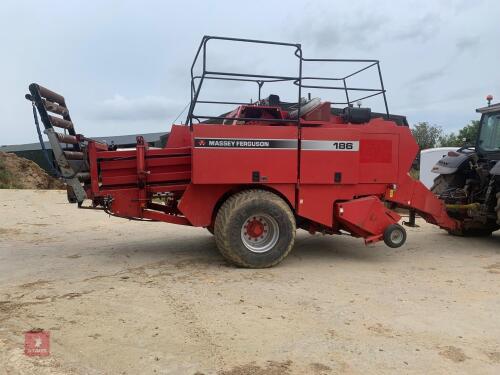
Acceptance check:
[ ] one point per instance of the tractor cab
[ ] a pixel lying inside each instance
(488, 140)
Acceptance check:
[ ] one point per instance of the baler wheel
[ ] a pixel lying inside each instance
(255, 229)
(394, 235)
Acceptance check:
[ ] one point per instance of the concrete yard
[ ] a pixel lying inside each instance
(125, 297)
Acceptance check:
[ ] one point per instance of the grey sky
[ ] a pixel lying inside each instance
(123, 66)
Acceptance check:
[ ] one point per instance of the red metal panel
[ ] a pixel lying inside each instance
(180, 136)
(364, 172)
(107, 165)
(198, 202)
(365, 217)
(126, 203)
(413, 194)
(376, 150)
(236, 165)
(319, 166)
(161, 216)
(152, 178)
(379, 157)
(316, 202)
(146, 166)
(151, 152)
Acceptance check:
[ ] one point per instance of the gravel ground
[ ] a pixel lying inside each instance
(123, 297)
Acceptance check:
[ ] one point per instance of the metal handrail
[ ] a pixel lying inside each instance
(260, 79)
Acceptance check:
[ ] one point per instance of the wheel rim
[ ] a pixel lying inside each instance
(396, 236)
(259, 233)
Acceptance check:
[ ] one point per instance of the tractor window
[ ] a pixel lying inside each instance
(489, 138)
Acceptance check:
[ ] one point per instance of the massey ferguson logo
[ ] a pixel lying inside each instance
(236, 143)
(244, 143)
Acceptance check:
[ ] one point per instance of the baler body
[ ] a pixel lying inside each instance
(324, 170)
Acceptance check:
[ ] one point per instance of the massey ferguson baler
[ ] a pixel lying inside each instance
(257, 173)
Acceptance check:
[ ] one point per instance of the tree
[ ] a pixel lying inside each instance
(426, 135)
(450, 140)
(469, 132)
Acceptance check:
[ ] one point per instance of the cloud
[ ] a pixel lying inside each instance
(361, 28)
(462, 45)
(147, 108)
(421, 29)
(467, 42)
(321, 32)
(429, 75)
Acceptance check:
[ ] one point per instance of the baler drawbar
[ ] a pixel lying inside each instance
(259, 172)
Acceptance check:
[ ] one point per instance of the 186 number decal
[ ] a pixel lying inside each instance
(343, 145)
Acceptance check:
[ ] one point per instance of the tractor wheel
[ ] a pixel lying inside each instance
(211, 229)
(472, 232)
(254, 229)
(394, 235)
(498, 208)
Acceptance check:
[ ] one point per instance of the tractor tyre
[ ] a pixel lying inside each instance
(255, 229)
(497, 208)
(472, 232)
(210, 229)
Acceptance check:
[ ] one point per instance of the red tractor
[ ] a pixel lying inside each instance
(259, 172)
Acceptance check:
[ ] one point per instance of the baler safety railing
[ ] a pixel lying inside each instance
(260, 79)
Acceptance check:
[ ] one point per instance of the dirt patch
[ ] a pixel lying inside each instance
(379, 329)
(319, 368)
(493, 268)
(272, 368)
(9, 231)
(20, 173)
(35, 284)
(494, 356)
(453, 353)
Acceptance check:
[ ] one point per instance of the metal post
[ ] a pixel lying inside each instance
(346, 92)
(383, 89)
(411, 219)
